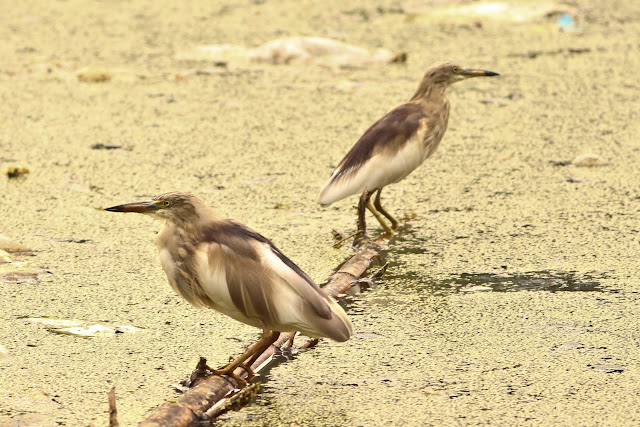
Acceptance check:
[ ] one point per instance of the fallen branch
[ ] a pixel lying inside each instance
(213, 395)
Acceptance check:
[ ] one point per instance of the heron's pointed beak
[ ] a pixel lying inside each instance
(140, 207)
(472, 72)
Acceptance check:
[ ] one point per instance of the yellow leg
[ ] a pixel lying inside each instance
(380, 219)
(379, 208)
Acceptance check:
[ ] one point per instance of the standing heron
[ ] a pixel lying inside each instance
(396, 144)
(219, 263)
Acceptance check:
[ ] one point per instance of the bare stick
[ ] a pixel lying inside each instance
(113, 411)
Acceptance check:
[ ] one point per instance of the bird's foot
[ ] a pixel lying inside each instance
(388, 234)
(203, 370)
(390, 231)
(229, 370)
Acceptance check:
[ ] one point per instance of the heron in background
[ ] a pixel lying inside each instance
(395, 145)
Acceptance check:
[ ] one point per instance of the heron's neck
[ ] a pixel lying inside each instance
(193, 223)
(430, 93)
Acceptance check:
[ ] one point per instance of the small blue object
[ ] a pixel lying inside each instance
(566, 23)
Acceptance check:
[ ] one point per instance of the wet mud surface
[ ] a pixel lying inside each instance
(511, 296)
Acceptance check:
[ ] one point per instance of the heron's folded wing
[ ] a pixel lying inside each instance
(253, 259)
(250, 287)
(391, 132)
(299, 281)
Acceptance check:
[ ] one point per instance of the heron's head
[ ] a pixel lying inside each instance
(449, 73)
(176, 206)
(443, 75)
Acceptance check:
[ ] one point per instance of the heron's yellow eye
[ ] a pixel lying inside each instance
(166, 203)
(456, 69)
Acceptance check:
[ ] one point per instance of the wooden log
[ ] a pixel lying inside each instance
(213, 395)
(352, 270)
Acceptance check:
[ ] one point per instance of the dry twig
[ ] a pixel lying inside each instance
(113, 411)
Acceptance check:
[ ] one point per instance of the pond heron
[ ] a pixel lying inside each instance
(221, 264)
(396, 144)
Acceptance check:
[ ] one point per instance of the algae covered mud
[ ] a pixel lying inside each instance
(469, 326)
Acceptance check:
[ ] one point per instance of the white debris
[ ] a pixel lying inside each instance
(11, 246)
(312, 49)
(4, 257)
(589, 160)
(487, 11)
(306, 50)
(81, 328)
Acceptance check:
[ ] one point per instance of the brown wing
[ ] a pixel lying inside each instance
(248, 273)
(250, 287)
(391, 132)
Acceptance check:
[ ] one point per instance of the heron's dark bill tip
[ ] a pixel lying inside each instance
(474, 72)
(118, 208)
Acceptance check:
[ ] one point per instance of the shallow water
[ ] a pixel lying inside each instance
(533, 281)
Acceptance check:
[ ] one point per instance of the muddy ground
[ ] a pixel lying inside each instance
(512, 293)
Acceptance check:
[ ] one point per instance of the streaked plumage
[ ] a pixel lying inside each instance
(221, 264)
(396, 144)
